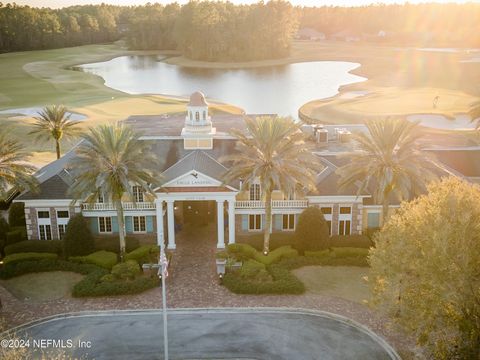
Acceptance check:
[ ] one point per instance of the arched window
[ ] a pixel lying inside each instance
(197, 116)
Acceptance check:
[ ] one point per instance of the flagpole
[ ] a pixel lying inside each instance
(162, 269)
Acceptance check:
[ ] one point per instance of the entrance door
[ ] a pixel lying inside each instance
(199, 213)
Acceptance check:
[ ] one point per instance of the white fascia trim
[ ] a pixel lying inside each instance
(380, 206)
(49, 203)
(197, 196)
(262, 211)
(337, 199)
(113, 213)
(218, 183)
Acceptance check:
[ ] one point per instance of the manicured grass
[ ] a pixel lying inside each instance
(341, 281)
(42, 286)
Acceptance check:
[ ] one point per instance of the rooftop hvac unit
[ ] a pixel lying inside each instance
(321, 135)
(344, 135)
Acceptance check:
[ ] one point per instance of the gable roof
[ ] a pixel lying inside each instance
(197, 160)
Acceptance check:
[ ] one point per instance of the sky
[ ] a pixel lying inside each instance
(62, 3)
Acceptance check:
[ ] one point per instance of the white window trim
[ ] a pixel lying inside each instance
(345, 217)
(328, 217)
(255, 217)
(259, 192)
(58, 230)
(45, 225)
(140, 193)
(111, 225)
(294, 222)
(133, 224)
(62, 221)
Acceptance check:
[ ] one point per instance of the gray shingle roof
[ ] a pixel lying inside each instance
(53, 188)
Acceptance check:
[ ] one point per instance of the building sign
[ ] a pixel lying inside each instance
(193, 179)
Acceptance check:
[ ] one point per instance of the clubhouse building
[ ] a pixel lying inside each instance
(193, 192)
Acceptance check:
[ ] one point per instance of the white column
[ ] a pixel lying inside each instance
(159, 212)
(220, 225)
(231, 221)
(171, 225)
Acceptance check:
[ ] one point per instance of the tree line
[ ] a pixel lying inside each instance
(222, 31)
(429, 24)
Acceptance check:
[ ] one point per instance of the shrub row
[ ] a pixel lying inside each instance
(104, 259)
(144, 254)
(283, 283)
(353, 241)
(244, 252)
(332, 257)
(90, 285)
(276, 240)
(44, 246)
(28, 256)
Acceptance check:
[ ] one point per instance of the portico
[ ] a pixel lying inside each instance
(165, 207)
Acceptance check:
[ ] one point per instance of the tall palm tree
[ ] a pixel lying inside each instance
(16, 173)
(273, 152)
(388, 160)
(108, 162)
(53, 122)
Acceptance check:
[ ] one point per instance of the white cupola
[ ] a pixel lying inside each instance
(198, 131)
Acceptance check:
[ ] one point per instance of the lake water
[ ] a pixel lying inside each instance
(275, 89)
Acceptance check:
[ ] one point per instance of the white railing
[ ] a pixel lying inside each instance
(276, 204)
(126, 206)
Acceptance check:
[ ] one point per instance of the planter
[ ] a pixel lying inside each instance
(221, 263)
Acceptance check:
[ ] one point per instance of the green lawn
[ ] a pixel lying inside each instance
(341, 281)
(44, 286)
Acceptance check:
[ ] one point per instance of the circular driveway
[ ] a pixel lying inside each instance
(248, 333)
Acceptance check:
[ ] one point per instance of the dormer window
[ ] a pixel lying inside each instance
(100, 199)
(138, 193)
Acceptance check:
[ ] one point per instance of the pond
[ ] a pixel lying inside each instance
(262, 90)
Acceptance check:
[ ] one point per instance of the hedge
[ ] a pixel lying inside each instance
(277, 239)
(112, 243)
(38, 246)
(283, 283)
(127, 270)
(354, 241)
(143, 254)
(27, 256)
(90, 285)
(244, 252)
(332, 256)
(104, 259)
(15, 235)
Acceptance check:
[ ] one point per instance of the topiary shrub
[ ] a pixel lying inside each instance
(19, 257)
(277, 239)
(241, 252)
(276, 255)
(127, 270)
(78, 239)
(144, 254)
(15, 236)
(104, 259)
(16, 214)
(38, 246)
(312, 231)
(112, 243)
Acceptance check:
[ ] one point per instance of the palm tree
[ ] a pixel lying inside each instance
(389, 160)
(54, 123)
(16, 173)
(108, 161)
(273, 152)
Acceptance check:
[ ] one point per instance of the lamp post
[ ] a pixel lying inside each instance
(162, 273)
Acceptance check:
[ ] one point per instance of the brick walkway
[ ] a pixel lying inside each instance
(193, 283)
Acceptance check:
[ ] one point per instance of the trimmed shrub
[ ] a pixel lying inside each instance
(38, 246)
(312, 231)
(15, 236)
(276, 255)
(104, 259)
(78, 240)
(16, 215)
(112, 243)
(241, 252)
(127, 270)
(277, 239)
(144, 254)
(25, 267)
(340, 256)
(29, 256)
(283, 283)
(251, 268)
(354, 241)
